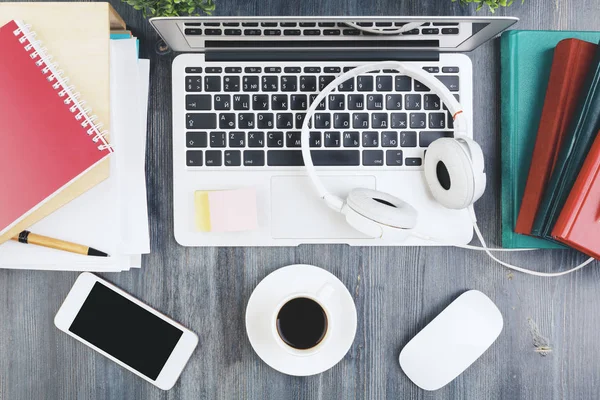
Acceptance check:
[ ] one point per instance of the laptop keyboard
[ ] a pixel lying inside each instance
(270, 29)
(250, 117)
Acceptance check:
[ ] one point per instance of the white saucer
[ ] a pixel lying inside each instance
(265, 299)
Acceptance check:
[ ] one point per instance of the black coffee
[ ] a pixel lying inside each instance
(302, 323)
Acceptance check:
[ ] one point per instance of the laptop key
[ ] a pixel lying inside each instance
(256, 139)
(298, 102)
(233, 158)
(372, 157)
(450, 81)
(351, 32)
(196, 139)
(249, 23)
(449, 31)
(427, 137)
(300, 120)
(432, 70)
(379, 120)
(233, 32)
(332, 70)
(325, 80)
(341, 120)
(346, 86)
(193, 158)
(293, 158)
(370, 139)
(227, 121)
(193, 83)
(269, 24)
(237, 139)
(222, 102)
(450, 70)
(393, 101)
(252, 32)
(198, 70)
(214, 158)
(408, 139)
(437, 120)
(260, 102)
(384, 83)
(331, 32)
(418, 120)
(398, 120)
(269, 83)
(253, 70)
(289, 83)
(274, 139)
(292, 70)
(213, 70)
(217, 139)
(321, 105)
(254, 158)
(279, 102)
(356, 102)
(288, 24)
(213, 32)
(420, 87)
(201, 121)
(412, 102)
(246, 120)
(393, 158)
(292, 139)
(413, 162)
(285, 121)
(364, 83)
(272, 70)
(212, 83)
(337, 102)
(308, 24)
(265, 121)
(375, 102)
(315, 139)
(272, 32)
(312, 32)
(308, 83)
(312, 70)
(231, 83)
(360, 121)
(403, 83)
(389, 139)
(332, 139)
(431, 102)
(241, 102)
(250, 83)
(351, 139)
(198, 102)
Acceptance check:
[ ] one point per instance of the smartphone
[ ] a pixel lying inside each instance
(126, 330)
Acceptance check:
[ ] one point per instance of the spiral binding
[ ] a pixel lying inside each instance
(60, 84)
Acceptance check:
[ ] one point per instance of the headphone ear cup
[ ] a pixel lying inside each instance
(454, 172)
(382, 208)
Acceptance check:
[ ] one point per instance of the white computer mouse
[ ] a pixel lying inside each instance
(450, 343)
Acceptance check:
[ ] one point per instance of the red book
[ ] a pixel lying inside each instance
(578, 225)
(570, 65)
(47, 140)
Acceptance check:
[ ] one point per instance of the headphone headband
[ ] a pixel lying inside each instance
(429, 80)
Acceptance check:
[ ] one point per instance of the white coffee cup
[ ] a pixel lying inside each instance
(297, 306)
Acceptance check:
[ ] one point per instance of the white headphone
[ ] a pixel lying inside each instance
(453, 171)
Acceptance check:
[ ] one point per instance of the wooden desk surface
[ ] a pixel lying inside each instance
(397, 290)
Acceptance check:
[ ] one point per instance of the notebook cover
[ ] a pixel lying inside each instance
(525, 62)
(89, 26)
(570, 65)
(578, 224)
(47, 140)
(576, 145)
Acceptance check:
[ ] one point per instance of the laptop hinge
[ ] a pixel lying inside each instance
(330, 55)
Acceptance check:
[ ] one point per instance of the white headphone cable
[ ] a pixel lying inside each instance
(382, 31)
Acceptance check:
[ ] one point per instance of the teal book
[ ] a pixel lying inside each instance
(525, 62)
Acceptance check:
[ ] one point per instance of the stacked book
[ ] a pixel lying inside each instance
(73, 134)
(551, 140)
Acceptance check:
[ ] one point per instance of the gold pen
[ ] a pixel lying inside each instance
(45, 241)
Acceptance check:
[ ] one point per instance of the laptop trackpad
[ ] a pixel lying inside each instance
(297, 212)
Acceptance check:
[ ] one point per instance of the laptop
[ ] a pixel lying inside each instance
(241, 89)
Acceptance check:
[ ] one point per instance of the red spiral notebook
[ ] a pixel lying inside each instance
(47, 138)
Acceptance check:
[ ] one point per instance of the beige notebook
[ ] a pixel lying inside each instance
(78, 37)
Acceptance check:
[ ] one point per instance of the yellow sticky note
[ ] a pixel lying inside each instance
(202, 207)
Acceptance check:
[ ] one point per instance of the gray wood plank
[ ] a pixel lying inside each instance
(397, 290)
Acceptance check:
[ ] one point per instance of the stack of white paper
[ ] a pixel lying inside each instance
(113, 216)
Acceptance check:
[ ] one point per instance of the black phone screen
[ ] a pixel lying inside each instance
(126, 331)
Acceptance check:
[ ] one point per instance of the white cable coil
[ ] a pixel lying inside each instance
(53, 74)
